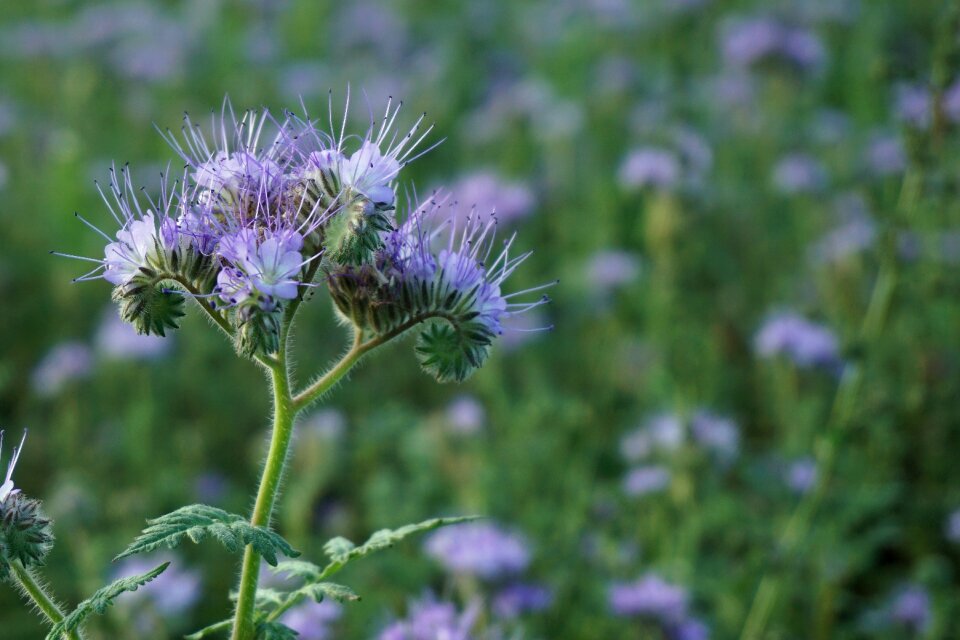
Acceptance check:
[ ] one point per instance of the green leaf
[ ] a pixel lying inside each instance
(320, 590)
(275, 631)
(99, 601)
(341, 554)
(199, 521)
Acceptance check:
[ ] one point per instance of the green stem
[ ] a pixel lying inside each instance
(35, 591)
(283, 417)
(838, 422)
(286, 408)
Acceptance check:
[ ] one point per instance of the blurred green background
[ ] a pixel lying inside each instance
(690, 170)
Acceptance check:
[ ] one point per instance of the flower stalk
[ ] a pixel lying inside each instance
(36, 592)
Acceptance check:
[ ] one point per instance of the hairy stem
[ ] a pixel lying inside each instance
(32, 589)
(286, 408)
(283, 417)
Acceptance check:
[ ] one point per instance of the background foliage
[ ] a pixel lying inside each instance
(775, 192)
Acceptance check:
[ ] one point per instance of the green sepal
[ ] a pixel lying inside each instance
(452, 354)
(258, 331)
(149, 306)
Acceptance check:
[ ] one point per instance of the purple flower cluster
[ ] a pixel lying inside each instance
(654, 599)
(754, 40)
(480, 549)
(430, 619)
(266, 205)
(806, 343)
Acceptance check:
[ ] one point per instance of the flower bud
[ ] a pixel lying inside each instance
(26, 534)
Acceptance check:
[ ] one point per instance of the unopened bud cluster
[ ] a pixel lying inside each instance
(26, 534)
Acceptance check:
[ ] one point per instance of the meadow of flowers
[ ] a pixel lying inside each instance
(736, 418)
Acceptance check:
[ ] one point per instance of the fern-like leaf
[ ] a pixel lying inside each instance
(340, 553)
(99, 601)
(199, 521)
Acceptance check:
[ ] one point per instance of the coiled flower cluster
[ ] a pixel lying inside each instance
(26, 534)
(256, 220)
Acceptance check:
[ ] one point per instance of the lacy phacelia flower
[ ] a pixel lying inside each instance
(650, 596)
(245, 231)
(457, 289)
(480, 548)
(312, 620)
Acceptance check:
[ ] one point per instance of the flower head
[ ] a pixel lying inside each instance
(312, 620)
(807, 343)
(650, 596)
(479, 548)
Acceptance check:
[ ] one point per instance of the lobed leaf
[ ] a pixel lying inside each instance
(99, 601)
(199, 521)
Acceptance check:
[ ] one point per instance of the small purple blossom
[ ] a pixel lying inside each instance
(486, 191)
(689, 629)
(910, 608)
(118, 340)
(749, 41)
(649, 167)
(327, 423)
(885, 156)
(210, 487)
(952, 528)
(950, 103)
(652, 597)
(806, 343)
(312, 620)
(64, 363)
(519, 598)
(914, 105)
(641, 481)
(798, 173)
(430, 619)
(465, 415)
(479, 548)
(718, 434)
(801, 475)
(607, 270)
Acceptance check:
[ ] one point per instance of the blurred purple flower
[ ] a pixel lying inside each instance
(518, 598)
(806, 343)
(951, 102)
(171, 594)
(651, 596)
(479, 548)
(429, 619)
(689, 629)
(612, 268)
(855, 233)
(465, 415)
(64, 363)
(748, 41)
(641, 481)
(718, 434)
(801, 475)
(798, 173)
(649, 167)
(312, 620)
(210, 487)
(910, 608)
(119, 340)
(886, 156)
(952, 529)
(489, 192)
(914, 105)
(328, 423)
